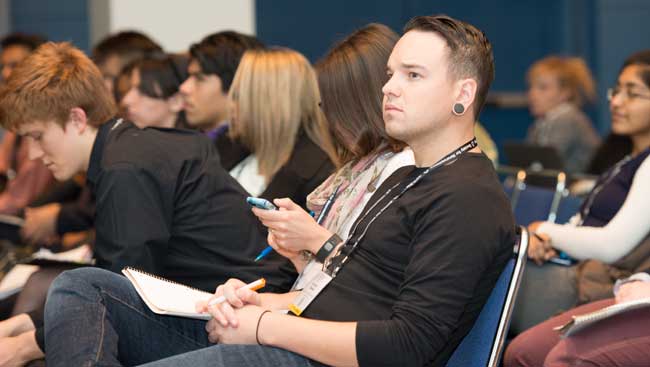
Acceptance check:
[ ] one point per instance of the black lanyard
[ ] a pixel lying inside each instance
(600, 185)
(333, 266)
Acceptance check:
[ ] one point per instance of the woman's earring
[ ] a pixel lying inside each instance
(459, 109)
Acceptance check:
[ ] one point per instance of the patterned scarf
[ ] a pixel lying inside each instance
(354, 180)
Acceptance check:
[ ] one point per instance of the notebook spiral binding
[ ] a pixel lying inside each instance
(163, 279)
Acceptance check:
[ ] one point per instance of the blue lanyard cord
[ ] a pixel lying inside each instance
(347, 249)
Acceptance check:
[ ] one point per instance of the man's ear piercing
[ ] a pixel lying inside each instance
(459, 109)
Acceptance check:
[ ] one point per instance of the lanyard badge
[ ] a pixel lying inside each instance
(333, 265)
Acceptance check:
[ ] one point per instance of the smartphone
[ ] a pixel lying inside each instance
(261, 203)
(560, 261)
(563, 259)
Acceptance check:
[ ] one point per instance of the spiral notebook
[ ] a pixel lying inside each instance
(582, 321)
(166, 297)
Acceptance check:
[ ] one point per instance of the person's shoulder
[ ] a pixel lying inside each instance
(153, 146)
(469, 182)
(307, 158)
(569, 116)
(469, 168)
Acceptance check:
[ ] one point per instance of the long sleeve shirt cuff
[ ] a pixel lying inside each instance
(638, 277)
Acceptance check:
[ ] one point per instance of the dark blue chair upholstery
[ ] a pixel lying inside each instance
(534, 204)
(483, 345)
(569, 206)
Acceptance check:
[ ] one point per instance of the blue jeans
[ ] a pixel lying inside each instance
(94, 317)
(235, 355)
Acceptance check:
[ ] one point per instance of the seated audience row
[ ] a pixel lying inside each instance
(165, 205)
(610, 237)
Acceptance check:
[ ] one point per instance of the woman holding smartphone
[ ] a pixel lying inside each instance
(350, 78)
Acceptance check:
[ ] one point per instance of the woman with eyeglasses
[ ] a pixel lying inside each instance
(557, 89)
(609, 235)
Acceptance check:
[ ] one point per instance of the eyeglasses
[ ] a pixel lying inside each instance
(626, 93)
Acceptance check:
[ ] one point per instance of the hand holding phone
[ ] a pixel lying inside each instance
(261, 203)
(266, 205)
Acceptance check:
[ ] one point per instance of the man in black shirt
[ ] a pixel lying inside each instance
(163, 202)
(416, 269)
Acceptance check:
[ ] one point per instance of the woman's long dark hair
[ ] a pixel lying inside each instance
(350, 78)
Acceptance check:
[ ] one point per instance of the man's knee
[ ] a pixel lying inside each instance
(82, 281)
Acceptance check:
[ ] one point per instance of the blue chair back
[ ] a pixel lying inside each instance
(483, 345)
(569, 206)
(534, 204)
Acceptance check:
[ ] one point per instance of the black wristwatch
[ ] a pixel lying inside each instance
(328, 247)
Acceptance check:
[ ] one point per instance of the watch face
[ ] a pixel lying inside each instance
(329, 246)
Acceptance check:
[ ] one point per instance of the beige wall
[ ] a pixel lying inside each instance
(174, 24)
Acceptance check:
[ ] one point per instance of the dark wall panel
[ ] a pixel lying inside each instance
(312, 27)
(622, 27)
(56, 20)
(603, 32)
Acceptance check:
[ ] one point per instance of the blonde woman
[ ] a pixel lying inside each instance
(557, 88)
(276, 114)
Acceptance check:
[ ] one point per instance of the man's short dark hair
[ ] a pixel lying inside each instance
(220, 53)
(470, 52)
(29, 41)
(128, 45)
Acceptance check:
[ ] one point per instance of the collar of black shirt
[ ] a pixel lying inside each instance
(94, 165)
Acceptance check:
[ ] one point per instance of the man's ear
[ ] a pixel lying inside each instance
(467, 89)
(77, 119)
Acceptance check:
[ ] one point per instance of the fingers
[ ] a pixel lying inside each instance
(213, 329)
(532, 227)
(550, 254)
(269, 215)
(270, 238)
(540, 249)
(286, 203)
(249, 296)
(546, 242)
(229, 313)
(536, 252)
(235, 283)
(532, 248)
(201, 306)
(233, 292)
(217, 314)
(231, 296)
